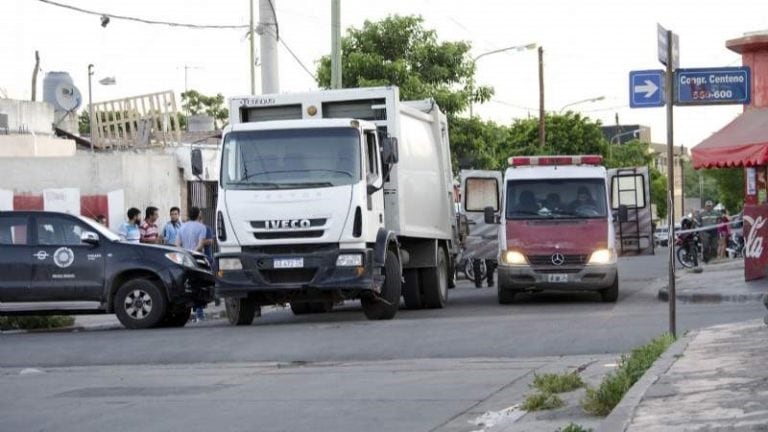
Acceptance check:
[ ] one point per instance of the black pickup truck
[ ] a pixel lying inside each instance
(57, 263)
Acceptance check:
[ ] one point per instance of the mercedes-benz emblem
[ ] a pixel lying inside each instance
(558, 259)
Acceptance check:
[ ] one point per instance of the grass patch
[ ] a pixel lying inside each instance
(602, 400)
(541, 401)
(573, 427)
(31, 322)
(558, 383)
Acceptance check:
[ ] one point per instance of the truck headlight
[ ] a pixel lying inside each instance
(602, 256)
(349, 260)
(181, 258)
(514, 258)
(230, 264)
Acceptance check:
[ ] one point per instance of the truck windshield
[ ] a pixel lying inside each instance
(556, 198)
(291, 158)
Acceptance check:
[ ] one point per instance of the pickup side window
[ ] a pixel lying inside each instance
(58, 231)
(13, 230)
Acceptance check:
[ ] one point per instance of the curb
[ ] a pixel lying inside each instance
(710, 297)
(621, 417)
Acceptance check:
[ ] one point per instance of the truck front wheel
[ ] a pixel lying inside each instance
(376, 309)
(611, 294)
(506, 295)
(240, 311)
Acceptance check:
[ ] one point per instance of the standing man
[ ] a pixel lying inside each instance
(129, 231)
(150, 233)
(171, 228)
(709, 217)
(192, 236)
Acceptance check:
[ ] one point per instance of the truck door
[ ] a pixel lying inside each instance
(481, 189)
(630, 190)
(65, 268)
(16, 256)
(374, 213)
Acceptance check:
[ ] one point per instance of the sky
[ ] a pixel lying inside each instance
(590, 46)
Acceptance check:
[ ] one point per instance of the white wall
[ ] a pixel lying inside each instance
(28, 116)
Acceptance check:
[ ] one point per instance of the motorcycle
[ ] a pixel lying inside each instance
(735, 247)
(688, 249)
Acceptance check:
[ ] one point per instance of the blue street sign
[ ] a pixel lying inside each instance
(646, 88)
(713, 86)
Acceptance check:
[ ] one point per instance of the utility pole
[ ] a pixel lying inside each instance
(34, 75)
(253, 60)
(336, 44)
(670, 91)
(268, 31)
(91, 118)
(542, 131)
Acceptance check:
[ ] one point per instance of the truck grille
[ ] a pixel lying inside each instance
(289, 275)
(546, 260)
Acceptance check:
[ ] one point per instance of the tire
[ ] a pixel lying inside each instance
(469, 271)
(412, 289)
(611, 294)
(373, 307)
(304, 308)
(240, 311)
(434, 282)
(506, 296)
(683, 258)
(139, 304)
(176, 316)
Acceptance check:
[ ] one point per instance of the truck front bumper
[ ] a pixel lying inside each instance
(552, 278)
(318, 272)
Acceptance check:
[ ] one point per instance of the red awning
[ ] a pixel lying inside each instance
(742, 142)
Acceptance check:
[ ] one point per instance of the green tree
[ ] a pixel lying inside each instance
(398, 50)
(658, 192)
(195, 103)
(730, 187)
(476, 143)
(567, 134)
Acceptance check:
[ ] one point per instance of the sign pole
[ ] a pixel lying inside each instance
(670, 83)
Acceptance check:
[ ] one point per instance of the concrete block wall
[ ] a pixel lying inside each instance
(28, 116)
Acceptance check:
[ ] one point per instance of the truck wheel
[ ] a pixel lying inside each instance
(411, 289)
(611, 294)
(374, 308)
(506, 295)
(176, 316)
(140, 303)
(240, 311)
(435, 282)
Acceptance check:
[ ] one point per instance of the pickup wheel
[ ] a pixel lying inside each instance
(376, 309)
(412, 289)
(139, 304)
(176, 316)
(611, 294)
(240, 311)
(434, 282)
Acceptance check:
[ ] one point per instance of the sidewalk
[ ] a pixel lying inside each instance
(711, 379)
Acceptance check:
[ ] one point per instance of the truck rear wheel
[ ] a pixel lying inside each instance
(412, 289)
(434, 282)
(240, 311)
(376, 309)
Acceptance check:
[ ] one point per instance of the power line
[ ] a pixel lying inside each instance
(146, 21)
(295, 57)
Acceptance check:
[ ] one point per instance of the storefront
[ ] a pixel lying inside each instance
(744, 143)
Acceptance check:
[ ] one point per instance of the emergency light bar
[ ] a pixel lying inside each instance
(554, 160)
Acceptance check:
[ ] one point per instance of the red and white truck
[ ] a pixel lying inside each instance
(562, 222)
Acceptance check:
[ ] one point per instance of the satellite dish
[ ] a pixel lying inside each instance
(68, 97)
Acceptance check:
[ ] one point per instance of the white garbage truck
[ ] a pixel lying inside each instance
(327, 196)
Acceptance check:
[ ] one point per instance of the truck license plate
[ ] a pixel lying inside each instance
(557, 278)
(288, 263)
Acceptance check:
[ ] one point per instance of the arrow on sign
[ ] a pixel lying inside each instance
(649, 88)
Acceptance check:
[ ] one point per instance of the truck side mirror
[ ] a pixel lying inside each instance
(389, 150)
(489, 215)
(623, 213)
(196, 159)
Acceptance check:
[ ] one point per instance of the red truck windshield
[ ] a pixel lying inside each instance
(556, 198)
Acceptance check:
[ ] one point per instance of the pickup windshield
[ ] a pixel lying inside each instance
(556, 199)
(291, 158)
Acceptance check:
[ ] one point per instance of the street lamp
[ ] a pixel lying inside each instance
(103, 81)
(594, 99)
(526, 47)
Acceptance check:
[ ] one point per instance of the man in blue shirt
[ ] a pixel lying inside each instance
(129, 231)
(171, 228)
(192, 236)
